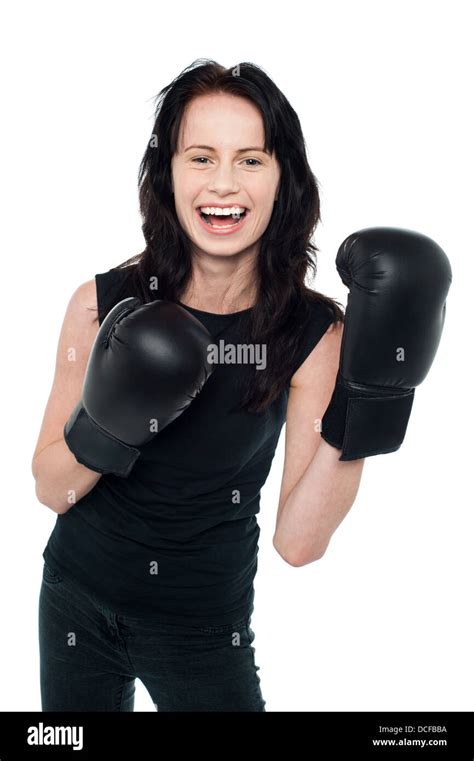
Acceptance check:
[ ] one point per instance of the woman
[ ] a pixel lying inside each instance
(151, 575)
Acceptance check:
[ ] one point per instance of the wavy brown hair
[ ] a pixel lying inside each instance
(286, 254)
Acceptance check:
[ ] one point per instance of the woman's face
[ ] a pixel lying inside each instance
(220, 162)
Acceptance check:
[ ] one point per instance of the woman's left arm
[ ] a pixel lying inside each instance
(317, 489)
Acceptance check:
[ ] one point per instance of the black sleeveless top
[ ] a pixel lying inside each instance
(177, 540)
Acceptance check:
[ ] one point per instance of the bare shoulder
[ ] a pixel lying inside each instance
(80, 319)
(80, 324)
(84, 297)
(321, 364)
(79, 328)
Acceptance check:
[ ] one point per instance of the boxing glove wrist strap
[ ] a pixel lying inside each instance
(95, 448)
(362, 424)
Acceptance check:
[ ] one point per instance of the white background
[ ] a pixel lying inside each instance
(384, 621)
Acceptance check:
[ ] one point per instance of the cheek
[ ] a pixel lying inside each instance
(262, 196)
(265, 211)
(182, 216)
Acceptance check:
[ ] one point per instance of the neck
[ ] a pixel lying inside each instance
(220, 286)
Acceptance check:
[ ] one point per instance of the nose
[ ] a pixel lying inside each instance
(222, 180)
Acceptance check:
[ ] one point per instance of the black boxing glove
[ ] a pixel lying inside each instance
(147, 364)
(398, 282)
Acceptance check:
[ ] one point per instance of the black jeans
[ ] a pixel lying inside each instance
(91, 656)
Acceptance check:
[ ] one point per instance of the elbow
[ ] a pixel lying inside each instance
(47, 500)
(298, 556)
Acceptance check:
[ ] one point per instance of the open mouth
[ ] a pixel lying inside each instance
(224, 221)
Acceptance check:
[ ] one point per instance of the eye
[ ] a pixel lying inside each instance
(200, 159)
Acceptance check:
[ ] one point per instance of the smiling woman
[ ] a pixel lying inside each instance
(224, 176)
(155, 563)
(226, 138)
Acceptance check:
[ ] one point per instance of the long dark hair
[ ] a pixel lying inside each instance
(286, 254)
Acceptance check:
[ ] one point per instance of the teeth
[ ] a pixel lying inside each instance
(222, 212)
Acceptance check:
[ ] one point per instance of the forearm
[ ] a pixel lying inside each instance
(316, 506)
(60, 480)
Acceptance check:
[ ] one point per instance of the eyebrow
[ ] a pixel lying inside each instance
(239, 150)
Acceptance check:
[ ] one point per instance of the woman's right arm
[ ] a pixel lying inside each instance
(60, 480)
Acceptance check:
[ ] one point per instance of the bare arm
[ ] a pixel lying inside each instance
(317, 489)
(60, 480)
